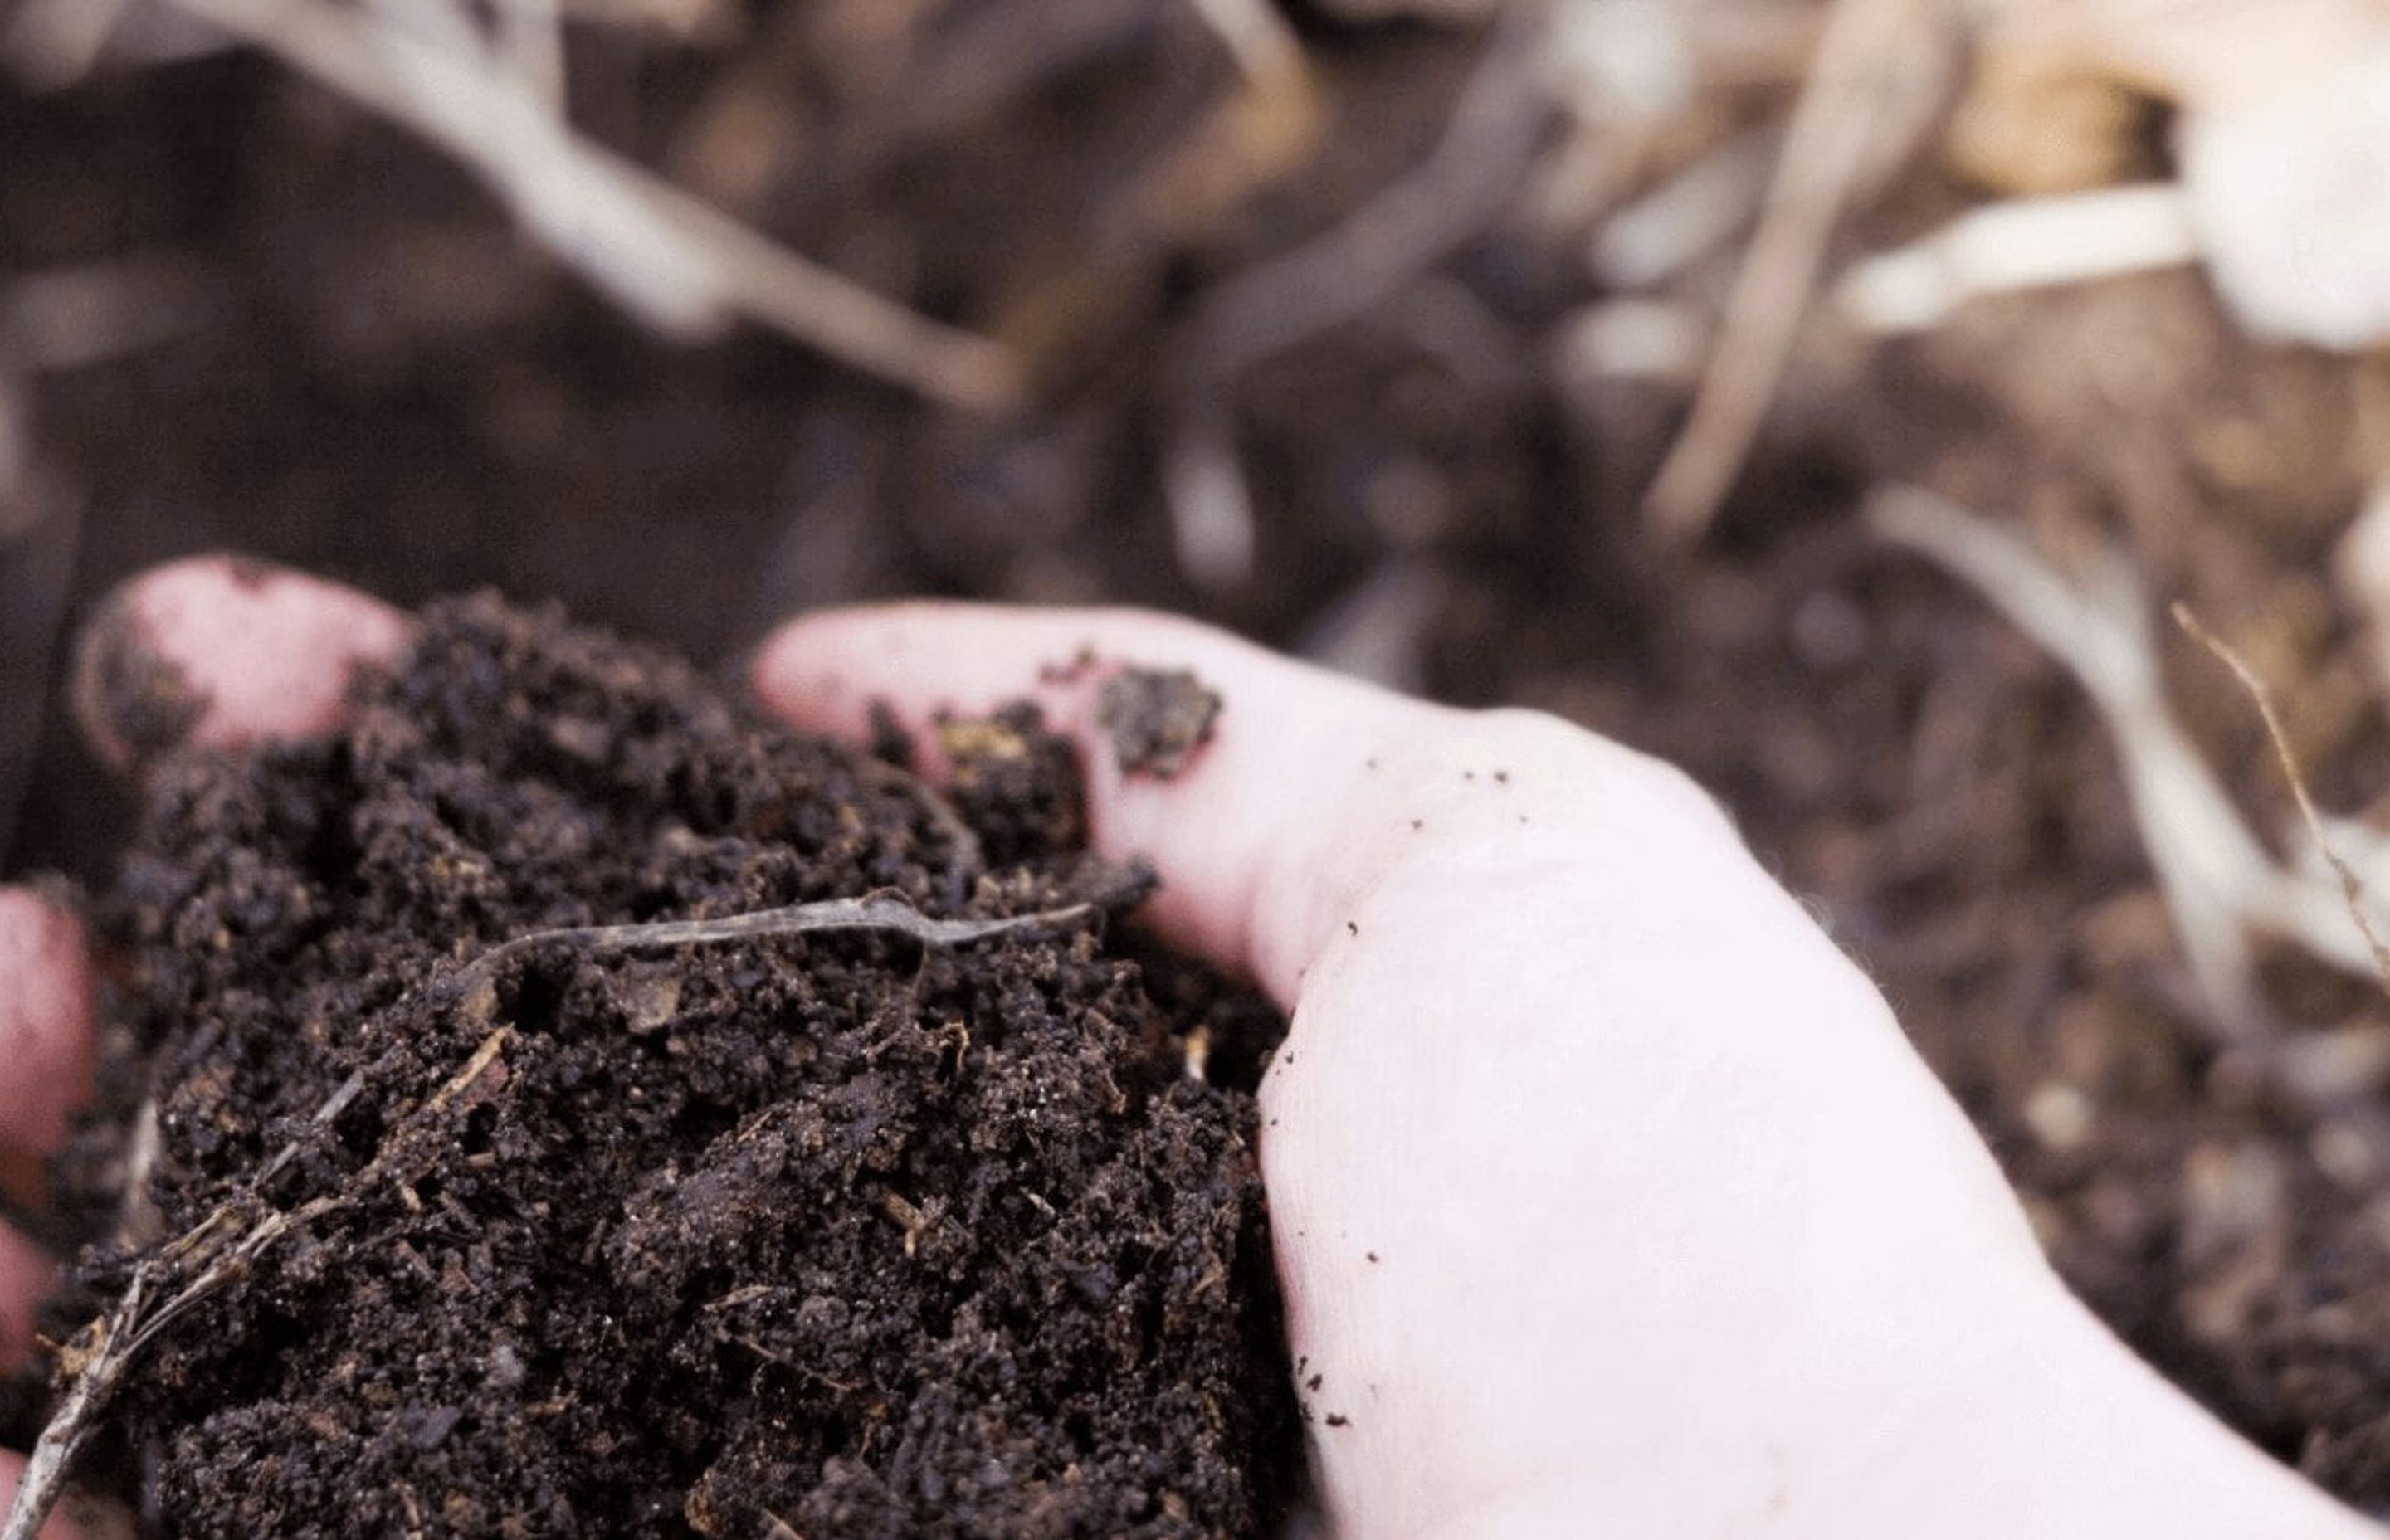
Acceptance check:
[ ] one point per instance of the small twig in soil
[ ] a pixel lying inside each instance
(1381, 249)
(684, 265)
(1696, 212)
(2023, 244)
(185, 1273)
(1860, 57)
(2219, 884)
(2352, 888)
(833, 914)
(1262, 41)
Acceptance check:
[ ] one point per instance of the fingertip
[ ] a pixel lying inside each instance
(826, 671)
(46, 1018)
(1226, 766)
(218, 651)
(798, 676)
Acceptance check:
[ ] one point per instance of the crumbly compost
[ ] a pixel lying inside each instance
(830, 1235)
(1156, 719)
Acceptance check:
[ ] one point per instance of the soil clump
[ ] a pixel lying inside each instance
(1156, 719)
(852, 1232)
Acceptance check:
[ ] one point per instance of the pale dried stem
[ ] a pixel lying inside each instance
(1693, 213)
(1858, 61)
(2220, 884)
(1260, 40)
(1399, 234)
(2352, 887)
(680, 262)
(2025, 243)
(185, 1273)
(1381, 249)
(531, 41)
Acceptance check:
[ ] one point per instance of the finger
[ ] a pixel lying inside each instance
(1311, 789)
(1246, 814)
(45, 1004)
(217, 652)
(1214, 830)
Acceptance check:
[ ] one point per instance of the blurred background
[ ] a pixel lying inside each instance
(1830, 395)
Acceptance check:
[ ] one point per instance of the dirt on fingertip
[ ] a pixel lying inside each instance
(1156, 719)
(837, 1233)
(127, 694)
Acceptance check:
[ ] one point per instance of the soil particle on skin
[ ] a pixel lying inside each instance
(126, 694)
(836, 1234)
(1156, 719)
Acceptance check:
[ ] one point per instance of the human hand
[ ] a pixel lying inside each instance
(1608, 1196)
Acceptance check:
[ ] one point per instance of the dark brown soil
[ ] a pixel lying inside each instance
(1156, 719)
(371, 372)
(840, 1233)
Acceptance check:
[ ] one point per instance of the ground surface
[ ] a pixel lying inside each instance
(844, 1231)
(369, 372)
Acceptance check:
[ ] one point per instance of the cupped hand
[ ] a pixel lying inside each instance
(1608, 1196)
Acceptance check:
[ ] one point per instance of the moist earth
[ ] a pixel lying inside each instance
(839, 1234)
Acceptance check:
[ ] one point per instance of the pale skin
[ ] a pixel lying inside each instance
(1608, 1196)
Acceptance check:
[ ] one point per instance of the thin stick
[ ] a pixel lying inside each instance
(684, 265)
(833, 914)
(1858, 61)
(1380, 249)
(1260, 40)
(2025, 243)
(1385, 245)
(220, 1249)
(2352, 887)
(2211, 870)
